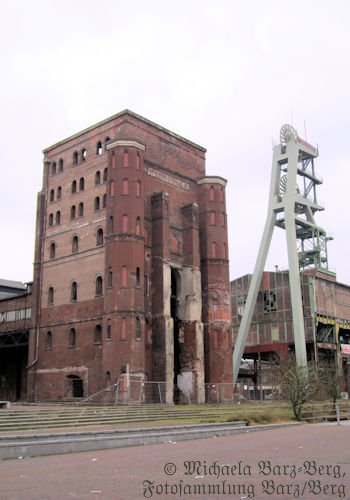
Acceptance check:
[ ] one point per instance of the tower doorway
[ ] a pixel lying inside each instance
(174, 300)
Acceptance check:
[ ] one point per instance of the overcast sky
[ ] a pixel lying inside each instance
(225, 74)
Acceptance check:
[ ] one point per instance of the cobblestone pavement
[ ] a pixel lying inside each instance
(308, 461)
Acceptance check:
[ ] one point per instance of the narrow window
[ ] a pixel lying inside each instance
(108, 377)
(221, 194)
(50, 219)
(124, 276)
(81, 184)
(58, 217)
(99, 237)
(97, 178)
(109, 329)
(73, 291)
(223, 219)
(138, 328)
(50, 296)
(111, 188)
(211, 194)
(99, 148)
(60, 165)
(110, 278)
(75, 244)
(73, 212)
(138, 277)
(110, 224)
(83, 154)
(52, 195)
(125, 223)
(48, 340)
(125, 186)
(72, 338)
(224, 251)
(107, 139)
(99, 286)
(104, 201)
(53, 168)
(126, 158)
(138, 225)
(105, 175)
(113, 160)
(138, 162)
(52, 250)
(213, 250)
(59, 192)
(123, 330)
(97, 203)
(75, 158)
(98, 334)
(74, 187)
(212, 218)
(81, 209)
(138, 188)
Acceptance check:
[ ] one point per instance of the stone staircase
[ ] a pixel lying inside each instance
(32, 417)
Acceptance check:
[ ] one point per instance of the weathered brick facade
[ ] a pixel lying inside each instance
(131, 264)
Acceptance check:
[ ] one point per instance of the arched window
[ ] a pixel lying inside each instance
(97, 203)
(59, 192)
(138, 162)
(73, 212)
(53, 168)
(138, 328)
(75, 244)
(52, 250)
(81, 209)
(107, 139)
(125, 223)
(75, 158)
(110, 277)
(138, 225)
(111, 188)
(99, 237)
(221, 194)
(105, 175)
(124, 276)
(99, 148)
(72, 338)
(73, 291)
(211, 194)
(98, 334)
(138, 188)
(60, 165)
(110, 224)
(109, 329)
(104, 201)
(83, 154)
(50, 219)
(52, 195)
(99, 286)
(50, 296)
(97, 178)
(213, 249)
(126, 158)
(48, 340)
(74, 187)
(58, 217)
(138, 277)
(212, 218)
(81, 184)
(125, 186)
(123, 329)
(113, 160)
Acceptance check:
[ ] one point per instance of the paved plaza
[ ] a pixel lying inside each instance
(308, 461)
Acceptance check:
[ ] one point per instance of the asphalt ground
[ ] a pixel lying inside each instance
(307, 461)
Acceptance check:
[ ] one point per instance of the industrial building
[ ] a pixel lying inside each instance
(131, 270)
(326, 313)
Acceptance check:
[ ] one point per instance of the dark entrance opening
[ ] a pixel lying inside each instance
(75, 387)
(175, 280)
(13, 365)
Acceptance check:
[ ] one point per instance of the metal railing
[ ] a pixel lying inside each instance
(326, 412)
